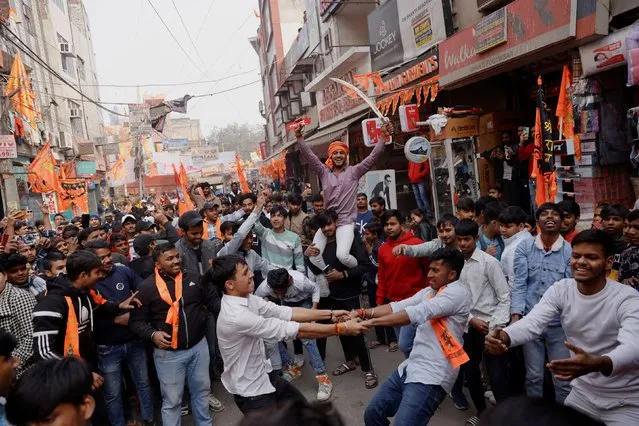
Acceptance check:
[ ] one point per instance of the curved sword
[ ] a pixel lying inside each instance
(362, 95)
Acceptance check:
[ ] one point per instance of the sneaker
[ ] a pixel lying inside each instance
(324, 387)
(184, 409)
(298, 361)
(291, 373)
(472, 421)
(459, 401)
(215, 404)
(490, 396)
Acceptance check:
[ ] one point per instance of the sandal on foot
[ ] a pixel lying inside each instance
(371, 380)
(374, 344)
(343, 369)
(393, 347)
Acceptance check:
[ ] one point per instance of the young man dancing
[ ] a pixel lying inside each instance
(247, 320)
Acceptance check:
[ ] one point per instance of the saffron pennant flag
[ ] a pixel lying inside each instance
(565, 111)
(41, 173)
(244, 186)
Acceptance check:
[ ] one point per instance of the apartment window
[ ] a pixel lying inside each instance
(65, 56)
(81, 69)
(59, 4)
(328, 42)
(28, 19)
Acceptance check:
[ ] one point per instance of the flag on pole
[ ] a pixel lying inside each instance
(41, 173)
(181, 182)
(565, 111)
(244, 186)
(543, 170)
(23, 99)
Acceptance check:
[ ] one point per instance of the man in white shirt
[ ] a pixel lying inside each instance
(440, 312)
(490, 308)
(293, 289)
(601, 320)
(246, 320)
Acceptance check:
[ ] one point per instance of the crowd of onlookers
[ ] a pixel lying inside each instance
(95, 286)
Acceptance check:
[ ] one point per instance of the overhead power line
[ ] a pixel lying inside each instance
(173, 36)
(187, 83)
(186, 29)
(33, 55)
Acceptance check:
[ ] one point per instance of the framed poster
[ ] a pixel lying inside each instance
(382, 183)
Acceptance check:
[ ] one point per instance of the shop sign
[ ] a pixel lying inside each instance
(175, 144)
(427, 67)
(334, 104)
(86, 168)
(372, 132)
(8, 147)
(532, 26)
(606, 53)
(408, 116)
(491, 31)
(400, 31)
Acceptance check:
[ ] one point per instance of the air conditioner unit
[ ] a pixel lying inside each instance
(75, 113)
(66, 140)
(65, 48)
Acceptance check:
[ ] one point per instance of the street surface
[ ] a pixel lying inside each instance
(350, 397)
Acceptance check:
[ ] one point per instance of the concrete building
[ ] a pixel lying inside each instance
(53, 37)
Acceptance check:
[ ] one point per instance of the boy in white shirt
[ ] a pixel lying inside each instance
(601, 320)
(294, 289)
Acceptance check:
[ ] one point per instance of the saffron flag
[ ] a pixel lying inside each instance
(565, 111)
(41, 173)
(244, 186)
(181, 182)
(19, 86)
(543, 170)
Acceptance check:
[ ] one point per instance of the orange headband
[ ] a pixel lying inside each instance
(334, 146)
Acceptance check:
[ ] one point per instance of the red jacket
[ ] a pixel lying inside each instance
(525, 153)
(403, 276)
(418, 171)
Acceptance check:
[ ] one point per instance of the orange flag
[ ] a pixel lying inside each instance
(42, 177)
(73, 195)
(181, 182)
(23, 100)
(244, 186)
(543, 170)
(565, 111)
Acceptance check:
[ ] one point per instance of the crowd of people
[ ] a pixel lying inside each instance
(142, 304)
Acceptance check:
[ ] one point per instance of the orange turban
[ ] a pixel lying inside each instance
(334, 146)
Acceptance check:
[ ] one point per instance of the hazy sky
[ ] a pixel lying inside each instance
(132, 47)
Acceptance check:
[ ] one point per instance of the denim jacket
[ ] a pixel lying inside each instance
(536, 270)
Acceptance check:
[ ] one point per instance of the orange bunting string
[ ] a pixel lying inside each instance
(434, 89)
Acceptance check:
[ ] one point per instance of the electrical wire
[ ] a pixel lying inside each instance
(173, 36)
(33, 55)
(197, 52)
(187, 83)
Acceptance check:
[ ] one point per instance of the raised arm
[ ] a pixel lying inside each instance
(368, 162)
(234, 245)
(313, 162)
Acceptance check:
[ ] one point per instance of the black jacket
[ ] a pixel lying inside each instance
(144, 266)
(50, 321)
(151, 316)
(350, 286)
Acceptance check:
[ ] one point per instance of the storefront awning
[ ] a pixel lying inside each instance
(333, 132)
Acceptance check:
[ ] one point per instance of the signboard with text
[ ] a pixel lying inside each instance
(491, 31)
(399, 31)
(606, 53)
(8, 147)
(86, 168)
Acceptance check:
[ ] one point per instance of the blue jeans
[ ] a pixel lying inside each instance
(174, 368)
(310, 344)
(411, 404)
(110, 362)
(421, 197)
(552, 340)
(406, 336)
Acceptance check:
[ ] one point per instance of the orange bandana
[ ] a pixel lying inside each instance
(173, 315)
(451, 347)
(334, 146)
